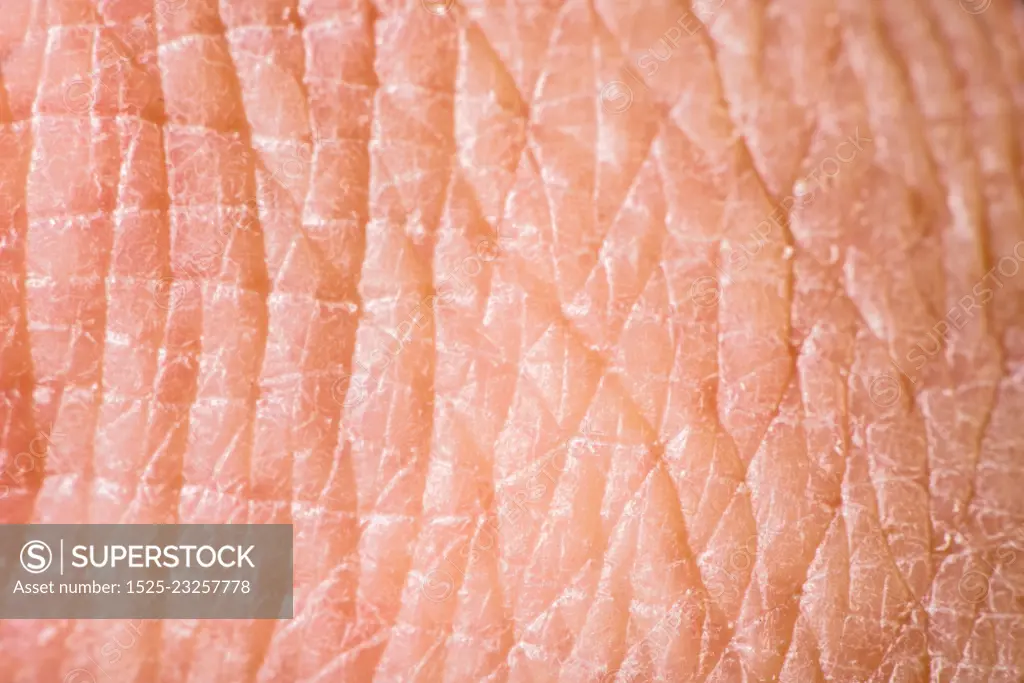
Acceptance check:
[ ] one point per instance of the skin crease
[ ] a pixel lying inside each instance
(600, 341)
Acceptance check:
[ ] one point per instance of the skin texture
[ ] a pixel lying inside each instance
(578, 341)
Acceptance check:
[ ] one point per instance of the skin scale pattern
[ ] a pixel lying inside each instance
(579, 341)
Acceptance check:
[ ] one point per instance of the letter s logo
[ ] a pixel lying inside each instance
(36, 557)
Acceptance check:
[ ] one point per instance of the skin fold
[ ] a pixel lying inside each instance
(579, 341)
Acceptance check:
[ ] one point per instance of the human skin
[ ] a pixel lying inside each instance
(578, 341)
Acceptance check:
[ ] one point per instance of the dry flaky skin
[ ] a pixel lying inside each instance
(579, 341)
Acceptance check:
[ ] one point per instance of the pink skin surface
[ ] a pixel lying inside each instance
(603, 341)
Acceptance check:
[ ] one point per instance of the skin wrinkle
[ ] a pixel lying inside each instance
(85, 459)
(253, 637)
(124, 203)
(716, 67)
(933, 651)
(771, 419)
(432, 82)
(788, 642)
(901, 70)
(17, 385)
(441, 10)
(984, 429)
(998, 25)
(27, 203)
(906, 586)
(966, 506)
(234, 36)
(567, 325)
(833, 515)
(789, 241)
(285, 643)
(567, 322)
(710, 47)
(1001, 349)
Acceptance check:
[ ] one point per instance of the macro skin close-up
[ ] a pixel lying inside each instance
(593, 341)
